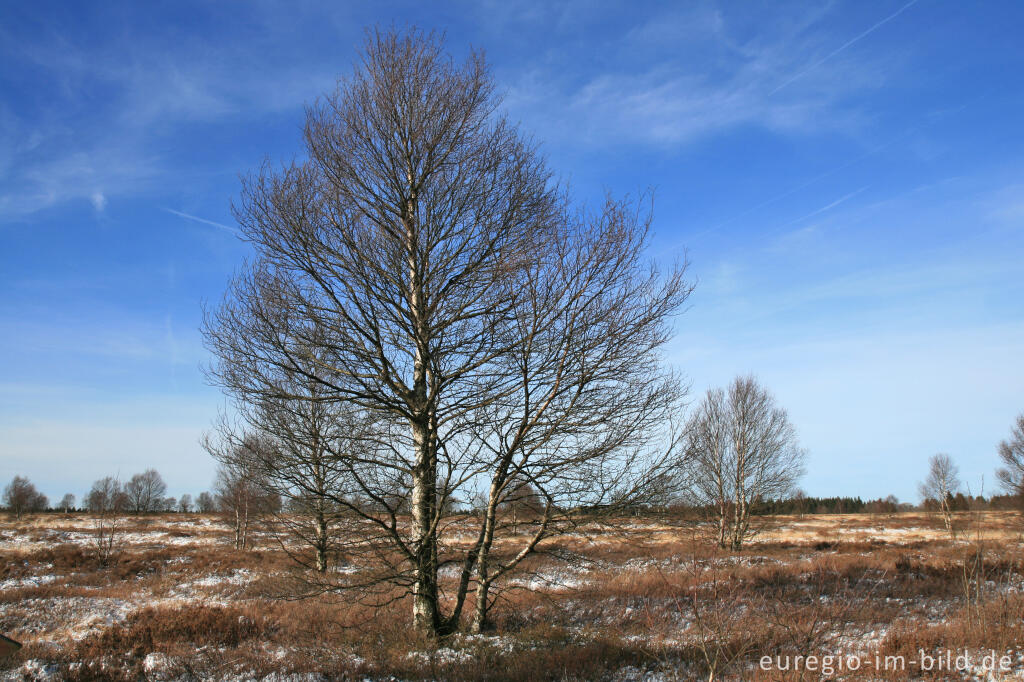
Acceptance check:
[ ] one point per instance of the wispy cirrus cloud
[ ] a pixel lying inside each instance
(842, 48)
(788, 78)
(108, 112)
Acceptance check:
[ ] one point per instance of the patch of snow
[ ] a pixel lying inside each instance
(155, 662)
(239, 577)
(552, 579)
(39, 671)
(97, 614)
(443, 655)
(31, 581)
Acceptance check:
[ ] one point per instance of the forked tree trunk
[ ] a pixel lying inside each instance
(947, 514)
(737, 520)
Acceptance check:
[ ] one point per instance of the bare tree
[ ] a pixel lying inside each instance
(145, 492)
(740, 448)
(67, 503)
(206, 503)
(233, 495)
(107, 501)
(106, 494)
(21, 497)
(391, 260)
(709, 461)
(799, 498)
(942, 483)
(719, 611)
(241, 498)
(583, 424)
(185, 503)
(522, 500)
(298, 445)
(1011, 455)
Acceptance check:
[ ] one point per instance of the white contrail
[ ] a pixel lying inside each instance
(205, 221)
(829, 207)
(845, 45)
(800, 186)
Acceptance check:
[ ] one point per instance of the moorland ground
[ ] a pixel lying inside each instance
(641, 599)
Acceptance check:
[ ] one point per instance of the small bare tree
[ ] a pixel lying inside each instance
(298, 444)
(296, 467)
(185, 503)
(21, 497)
(233, 494)
(107, 502)
(106, 493)
(740, 448)
(817, 613)
(942, 483)
(67, 503)
(799, 498)
(206, 503)
(521, 501)
(145, 492)
(241, 498)
(1011, 455)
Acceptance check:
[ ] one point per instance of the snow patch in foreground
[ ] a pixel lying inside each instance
(31, 581)
(239, 578)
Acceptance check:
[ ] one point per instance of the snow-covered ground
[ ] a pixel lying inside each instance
(594, 583)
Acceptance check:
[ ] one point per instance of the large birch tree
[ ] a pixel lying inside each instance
(421, 265)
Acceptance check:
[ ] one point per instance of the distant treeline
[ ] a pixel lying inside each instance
(788, 506)
(887, 505)
(828, 505)
(857, 505)
(818, 505)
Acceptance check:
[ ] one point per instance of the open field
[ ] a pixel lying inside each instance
(646, 600)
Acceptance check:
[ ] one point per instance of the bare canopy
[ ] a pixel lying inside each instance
(942, 482)
(145, 492)
(1011, 455)
(421, 266)
(740, 449)
(21, 497)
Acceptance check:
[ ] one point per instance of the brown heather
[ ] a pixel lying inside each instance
(616, 602)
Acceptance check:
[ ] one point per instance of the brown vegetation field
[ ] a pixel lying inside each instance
(646, 599)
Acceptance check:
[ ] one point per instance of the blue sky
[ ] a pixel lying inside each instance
(847, 179)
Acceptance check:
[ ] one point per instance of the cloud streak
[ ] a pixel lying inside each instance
(154, 95)
(827, 207)
(668, 98)
(841, 48)
(204, 221)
